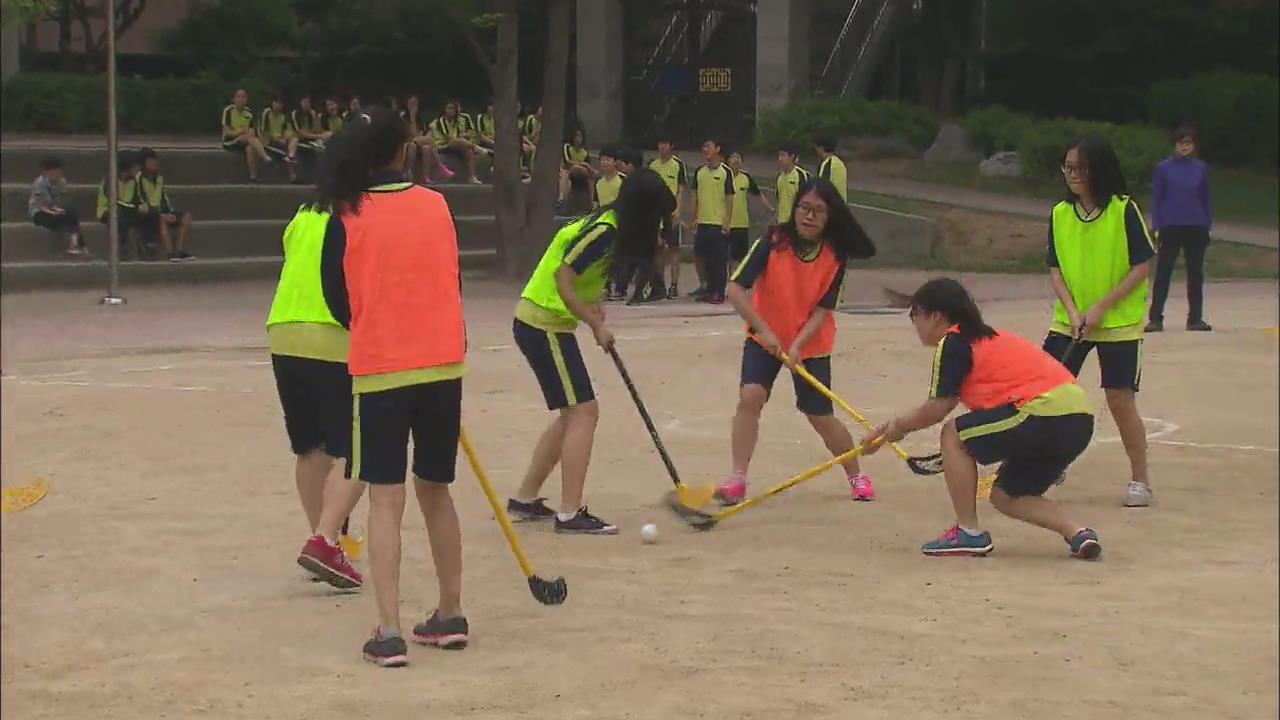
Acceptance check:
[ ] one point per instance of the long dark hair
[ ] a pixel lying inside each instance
(1100, 169)
(842, 230)
(642, 203)
(947, 296)
(365, 146)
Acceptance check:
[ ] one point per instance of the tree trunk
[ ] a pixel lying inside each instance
(540, 208)
(64, 34)
(508, 193)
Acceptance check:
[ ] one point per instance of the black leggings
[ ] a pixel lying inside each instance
(1174, 239)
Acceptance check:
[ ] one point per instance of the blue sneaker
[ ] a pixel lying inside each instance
(958, 542)
(1084, 545)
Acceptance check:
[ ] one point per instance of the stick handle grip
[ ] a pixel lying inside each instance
(808, 377)
(493, 503)
(644, 415)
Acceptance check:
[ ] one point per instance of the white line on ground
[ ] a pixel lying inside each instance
(153, 368)
(43, 376)
(1216, 446)
(132, 386)
(1162, 428)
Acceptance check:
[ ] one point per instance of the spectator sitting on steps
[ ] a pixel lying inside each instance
(452, 133)
(132, 209)
(238, 134)
(332, 120)
(48, 209)
(278, 135)
(306, 121)
(163, 215)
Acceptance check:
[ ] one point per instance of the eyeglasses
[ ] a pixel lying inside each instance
(816, 211)
(1078, 170)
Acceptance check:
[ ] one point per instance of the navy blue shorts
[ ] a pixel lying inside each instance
(1120, 362)
(761, 368)
(739, 244)
(315, 396)
(1033, 450)
(557, 363)
(670, 234)
(430, 413)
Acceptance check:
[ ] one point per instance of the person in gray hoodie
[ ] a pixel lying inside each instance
(47, 205)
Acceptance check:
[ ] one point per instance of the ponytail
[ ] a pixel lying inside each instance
(366, 145)
(947, 296)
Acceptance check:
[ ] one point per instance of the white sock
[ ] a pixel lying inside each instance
(565, 517)
(970, 531)
(526, 501)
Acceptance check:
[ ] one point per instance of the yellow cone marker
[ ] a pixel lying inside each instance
(24, 496)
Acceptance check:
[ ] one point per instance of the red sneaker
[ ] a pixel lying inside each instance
(329, 563)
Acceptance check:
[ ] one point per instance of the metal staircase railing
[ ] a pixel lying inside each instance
(858, 78)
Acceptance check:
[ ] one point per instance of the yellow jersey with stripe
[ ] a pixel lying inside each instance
(673, 173)
(787, 185)
(238, 119)
(607, 188)
(743, 185)
(712, 188)
(833, 170)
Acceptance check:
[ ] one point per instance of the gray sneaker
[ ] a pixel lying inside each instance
(1137, 494)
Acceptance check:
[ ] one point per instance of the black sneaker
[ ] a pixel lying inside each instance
(1198, 326)
(184, 255)
(450, 634)
(584, 523)
(174, 257)
(530, 511)
(386, 652)
(673, 292)
(1154, 326)
(698, 292)
(636, 299)
(615, 296)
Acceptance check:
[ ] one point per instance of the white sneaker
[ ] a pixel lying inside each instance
(1137, 494)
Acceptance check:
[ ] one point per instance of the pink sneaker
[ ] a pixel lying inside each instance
(733, 491)
(862, 488)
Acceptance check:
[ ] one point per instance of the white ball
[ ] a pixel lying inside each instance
(649, 534)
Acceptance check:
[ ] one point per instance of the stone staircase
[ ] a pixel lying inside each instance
(237, 230)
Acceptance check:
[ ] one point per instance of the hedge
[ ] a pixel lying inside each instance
(1041, 143)
(799, 122)
(1237, 114)
(59, 103)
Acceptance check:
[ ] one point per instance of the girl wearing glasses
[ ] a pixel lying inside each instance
(786, 289)
(1098, 262)
(1026, 412)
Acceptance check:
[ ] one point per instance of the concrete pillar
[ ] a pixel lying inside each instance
(782, 52)
(10, 37)
(599, 69)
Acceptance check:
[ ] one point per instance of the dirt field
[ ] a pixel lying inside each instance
(157, 579)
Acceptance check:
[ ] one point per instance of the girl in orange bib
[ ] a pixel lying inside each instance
(786, 289)
(1026, 412)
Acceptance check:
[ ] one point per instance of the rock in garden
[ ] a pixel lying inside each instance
(953, 145)
(1002, 164)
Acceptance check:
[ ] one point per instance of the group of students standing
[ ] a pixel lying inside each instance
(368, 346)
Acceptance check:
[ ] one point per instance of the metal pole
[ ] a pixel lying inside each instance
(113, 170)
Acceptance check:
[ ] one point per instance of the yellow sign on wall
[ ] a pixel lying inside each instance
(715, 79)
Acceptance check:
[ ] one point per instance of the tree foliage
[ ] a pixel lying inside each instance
(25, 11)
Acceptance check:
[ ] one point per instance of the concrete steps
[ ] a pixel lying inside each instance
(231, 201)
(214, 239)
(181, 166)
(43, 275)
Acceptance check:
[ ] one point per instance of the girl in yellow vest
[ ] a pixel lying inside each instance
(1098, 257)
(390, 273)
(566, 289)
(1026, 412)
(786, 290)
(309, 359)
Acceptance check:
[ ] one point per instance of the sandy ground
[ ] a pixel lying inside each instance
(157, 579)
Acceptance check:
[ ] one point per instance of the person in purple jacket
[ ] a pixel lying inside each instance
(1180, 218)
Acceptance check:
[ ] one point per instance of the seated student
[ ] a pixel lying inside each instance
(306, 121)
(332, 120)
(575, 164)
(530, 129)
(1026, 412)
(451, 133)
(353, 108)
(132, 209)
(47, 205)
(422, 159)
(164, 215)
(486, 129)
(238, 134)
(275, 130)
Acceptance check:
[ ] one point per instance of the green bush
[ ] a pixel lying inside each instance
(57, 103)
(801, 121)
(1237, 114)
(1041, 143)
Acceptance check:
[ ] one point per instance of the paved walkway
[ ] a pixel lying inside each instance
(759, 165)
(1258, 235)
